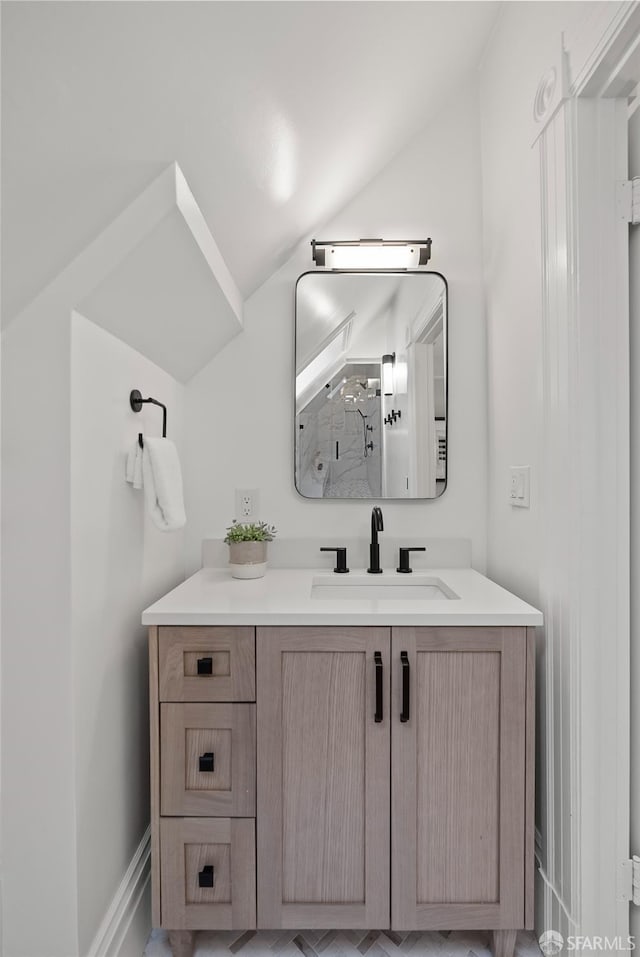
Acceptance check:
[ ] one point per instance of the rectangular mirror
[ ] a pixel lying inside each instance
(371, 385)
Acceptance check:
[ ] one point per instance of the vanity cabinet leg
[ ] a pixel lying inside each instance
(504, 942)
(181, 942)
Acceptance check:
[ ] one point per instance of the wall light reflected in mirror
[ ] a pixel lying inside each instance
(388, 363)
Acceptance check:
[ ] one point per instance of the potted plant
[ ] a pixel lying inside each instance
(247, 543)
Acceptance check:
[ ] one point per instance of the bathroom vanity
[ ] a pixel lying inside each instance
(328, 756)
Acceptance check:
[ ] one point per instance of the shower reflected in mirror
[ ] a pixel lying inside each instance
(371, 385)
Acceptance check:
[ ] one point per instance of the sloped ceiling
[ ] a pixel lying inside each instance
(277, 112)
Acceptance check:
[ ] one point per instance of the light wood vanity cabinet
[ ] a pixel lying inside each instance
(394, 783)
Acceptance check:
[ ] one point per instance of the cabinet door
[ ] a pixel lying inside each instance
(323, 777)
(458, 778)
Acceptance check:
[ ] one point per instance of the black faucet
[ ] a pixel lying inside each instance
(377, 525)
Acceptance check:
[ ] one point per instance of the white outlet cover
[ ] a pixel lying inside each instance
(247, 504)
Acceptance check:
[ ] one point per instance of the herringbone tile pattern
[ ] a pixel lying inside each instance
(341, 943)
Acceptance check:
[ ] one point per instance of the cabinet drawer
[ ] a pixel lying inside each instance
(208, 759)
(208, 873)
(207, 664)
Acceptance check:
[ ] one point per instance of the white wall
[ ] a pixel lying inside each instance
(518, 54)
(239, 418)
(79, 564)
(119, 564)
(37, 692)
(634, 275)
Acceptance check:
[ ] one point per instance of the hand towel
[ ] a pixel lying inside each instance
(133, 472)
(162, 479)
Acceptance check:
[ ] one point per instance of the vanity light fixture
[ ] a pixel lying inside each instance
(388, 362)
(371, 253)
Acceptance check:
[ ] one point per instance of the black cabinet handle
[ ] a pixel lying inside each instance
(406, 676)
(377, 657)
(205, 877)
(206, 761)
(205, 666)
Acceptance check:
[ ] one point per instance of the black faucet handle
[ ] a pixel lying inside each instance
(404, 566)
(341, 559)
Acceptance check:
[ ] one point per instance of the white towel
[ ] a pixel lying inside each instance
(163, 484)
(134, 466)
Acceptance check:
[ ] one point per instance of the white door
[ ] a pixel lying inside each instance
(634, 303)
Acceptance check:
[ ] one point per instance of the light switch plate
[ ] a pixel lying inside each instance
(519, 486)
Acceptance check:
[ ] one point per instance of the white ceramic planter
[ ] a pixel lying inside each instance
(248, 559)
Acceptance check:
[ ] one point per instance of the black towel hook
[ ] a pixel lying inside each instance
(136, 402)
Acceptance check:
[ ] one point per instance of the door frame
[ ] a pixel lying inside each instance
(580, 133)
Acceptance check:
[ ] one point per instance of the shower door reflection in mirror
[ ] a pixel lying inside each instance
(371, 385)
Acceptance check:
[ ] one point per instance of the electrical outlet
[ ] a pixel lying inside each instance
(247, 504)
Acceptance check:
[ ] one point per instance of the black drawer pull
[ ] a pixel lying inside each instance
(406, 676)
(205, 877)
(206, 761)
(205, 666)
(377, 657)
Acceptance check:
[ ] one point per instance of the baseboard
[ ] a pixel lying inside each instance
(127, 922)
(539, 848)
(551, 911)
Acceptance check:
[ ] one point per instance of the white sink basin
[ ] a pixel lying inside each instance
(381, 588)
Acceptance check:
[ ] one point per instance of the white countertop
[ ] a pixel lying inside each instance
(283, 597)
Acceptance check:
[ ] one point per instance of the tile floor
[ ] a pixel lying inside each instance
(343, 943)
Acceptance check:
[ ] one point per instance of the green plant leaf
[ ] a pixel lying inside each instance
(250, 532)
